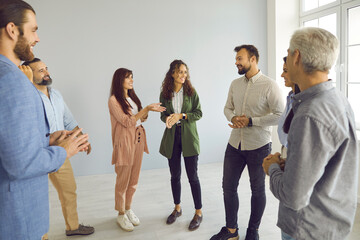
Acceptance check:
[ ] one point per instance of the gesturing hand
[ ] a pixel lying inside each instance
(156, 107)
(27, 71)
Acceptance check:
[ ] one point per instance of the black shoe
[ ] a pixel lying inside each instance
(172, 218)
(82, 230)
(225, 234)
(195, 222)
(252, 234)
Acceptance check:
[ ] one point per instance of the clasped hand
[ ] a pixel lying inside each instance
(172, 119)
(239, 122)
(273, 158)
(70, 141)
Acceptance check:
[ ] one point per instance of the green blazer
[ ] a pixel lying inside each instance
(189, 135)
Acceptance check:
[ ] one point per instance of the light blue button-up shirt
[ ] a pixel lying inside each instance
(281, 134)
(57, 112)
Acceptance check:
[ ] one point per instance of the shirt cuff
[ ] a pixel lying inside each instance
(274, 167)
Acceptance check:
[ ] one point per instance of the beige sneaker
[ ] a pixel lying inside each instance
(132, 217)
(125, 223)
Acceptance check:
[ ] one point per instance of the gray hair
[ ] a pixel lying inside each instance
(318, 48)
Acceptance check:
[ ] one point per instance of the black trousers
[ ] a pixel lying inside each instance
(234, 164)
(191, 164)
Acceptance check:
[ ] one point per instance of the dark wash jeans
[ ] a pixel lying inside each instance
(234, 164)
(191, 164)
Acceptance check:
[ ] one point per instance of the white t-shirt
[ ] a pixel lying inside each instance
(134, 110)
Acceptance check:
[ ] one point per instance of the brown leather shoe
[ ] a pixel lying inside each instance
(195, 222)
(172, 218)
(82, 230)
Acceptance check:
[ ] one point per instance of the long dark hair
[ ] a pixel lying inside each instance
(167, 87)
(117, 89)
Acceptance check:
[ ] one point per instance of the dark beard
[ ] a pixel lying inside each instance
(45, 82)
(244, 70)
(22, 49)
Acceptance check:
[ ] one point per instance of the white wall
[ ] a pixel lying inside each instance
(283, 20)
(83, 42)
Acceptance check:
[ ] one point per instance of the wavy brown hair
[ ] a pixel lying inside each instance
(117, 89)
(167, 87)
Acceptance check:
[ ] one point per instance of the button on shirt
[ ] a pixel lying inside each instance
(57, 112)
(259, 98)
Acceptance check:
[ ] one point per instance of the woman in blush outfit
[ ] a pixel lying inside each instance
(129, 142)
(180, 136)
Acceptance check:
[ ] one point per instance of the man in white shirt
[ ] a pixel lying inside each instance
(254, 104)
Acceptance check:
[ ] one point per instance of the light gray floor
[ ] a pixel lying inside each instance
(153, 203)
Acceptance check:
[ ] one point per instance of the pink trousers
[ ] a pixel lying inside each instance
(128, 176)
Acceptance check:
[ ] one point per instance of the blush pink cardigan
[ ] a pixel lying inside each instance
(123, 129)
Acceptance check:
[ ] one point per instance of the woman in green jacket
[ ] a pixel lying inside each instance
(180, 136)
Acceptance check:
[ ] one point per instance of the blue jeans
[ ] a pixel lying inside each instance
(234, 164)
(285, 236)
(191, 164)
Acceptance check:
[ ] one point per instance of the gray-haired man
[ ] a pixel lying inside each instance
(318, 187)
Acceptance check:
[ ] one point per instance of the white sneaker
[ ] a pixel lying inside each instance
(132, 217)
(125, 223)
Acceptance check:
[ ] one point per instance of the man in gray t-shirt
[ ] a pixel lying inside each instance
(317, 189)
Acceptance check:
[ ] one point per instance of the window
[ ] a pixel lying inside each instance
(353, 59)
(342, 18)
(313, 4)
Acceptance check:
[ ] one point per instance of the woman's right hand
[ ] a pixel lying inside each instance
(156, 107)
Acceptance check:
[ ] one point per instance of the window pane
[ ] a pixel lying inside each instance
(310, 4)
(324, 2)
(328, 23)
(312, 23)
(354, 20)
(354, 99)
(353, 64)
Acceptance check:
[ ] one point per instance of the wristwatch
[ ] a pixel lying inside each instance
(250, 122)
(184, 116)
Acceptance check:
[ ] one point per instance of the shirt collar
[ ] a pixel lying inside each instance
(254, 78)
(180, 91)
(310, 93)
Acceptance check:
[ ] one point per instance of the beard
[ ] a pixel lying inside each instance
(44, 82)
(244, 70)
(22, 49)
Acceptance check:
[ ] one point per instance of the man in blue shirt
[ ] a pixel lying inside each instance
(317, 190)
(60, 118)
(25, 155)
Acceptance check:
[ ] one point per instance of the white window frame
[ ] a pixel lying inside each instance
(319, 9)
(344, 49)
(322, 13)
(339, 7)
